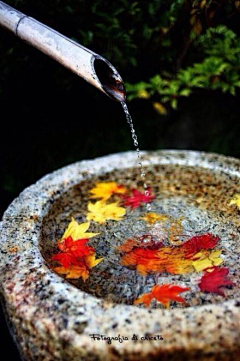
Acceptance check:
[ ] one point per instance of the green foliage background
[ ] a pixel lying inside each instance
(180, 60)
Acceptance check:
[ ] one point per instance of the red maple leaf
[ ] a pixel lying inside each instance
(76, 248)
(198, 243)
(137, 198)
(213, 281)
(72, 251)
(65, 259)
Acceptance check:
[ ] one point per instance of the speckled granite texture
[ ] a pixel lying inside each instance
(52, 319)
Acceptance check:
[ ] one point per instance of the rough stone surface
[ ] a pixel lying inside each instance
(52, 318)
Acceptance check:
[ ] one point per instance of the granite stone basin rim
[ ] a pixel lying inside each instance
(53, 320)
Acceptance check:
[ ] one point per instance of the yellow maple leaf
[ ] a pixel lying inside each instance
(100, 211)
(105, 190)
(235, 200)
(91, 261)
(73, 272)
(206, 259)
(78, 231)
(152, 217)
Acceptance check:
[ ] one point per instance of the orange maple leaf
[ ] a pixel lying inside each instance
(165, 259)
(164, 294)
(194, 255)
(74, 271)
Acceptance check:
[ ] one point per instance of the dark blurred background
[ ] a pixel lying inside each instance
(179, 59)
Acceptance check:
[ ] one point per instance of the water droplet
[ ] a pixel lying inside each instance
(135, 142)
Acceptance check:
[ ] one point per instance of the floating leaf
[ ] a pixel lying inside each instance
(100, 212)
(164, 294)
(77, 248)
(235, 200)
(76, 257)
(78, 231)
(198, 243)
(76, 267)
(74, 271)
(91, 261)
(106, 190)
(152, 218)
(65, 259)
(165, 259)
(185, 258)
(72, 252)
(128, 245)
(213, 281)
(144, 241)
(206, 259)
(137, 198)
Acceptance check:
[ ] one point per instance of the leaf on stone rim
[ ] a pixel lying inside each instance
(164, 294)
(101, 212)
(214, 280)
(78, 231)
(105, 190)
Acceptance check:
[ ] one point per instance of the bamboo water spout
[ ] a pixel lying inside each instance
(90, 66)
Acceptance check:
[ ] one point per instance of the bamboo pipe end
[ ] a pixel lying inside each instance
(110, 80)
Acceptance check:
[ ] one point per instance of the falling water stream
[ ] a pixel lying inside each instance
(135, 142)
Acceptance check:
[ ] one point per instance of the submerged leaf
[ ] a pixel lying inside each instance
(185, 258)
(213, 281)
(78, 231)
(100, 212)
(198, 243)
(165, 259)
(164, 294)
(152, 218)
(206, 259)
(137, 198)
(106, 190)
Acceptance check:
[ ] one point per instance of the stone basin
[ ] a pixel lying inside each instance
(52, 318)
